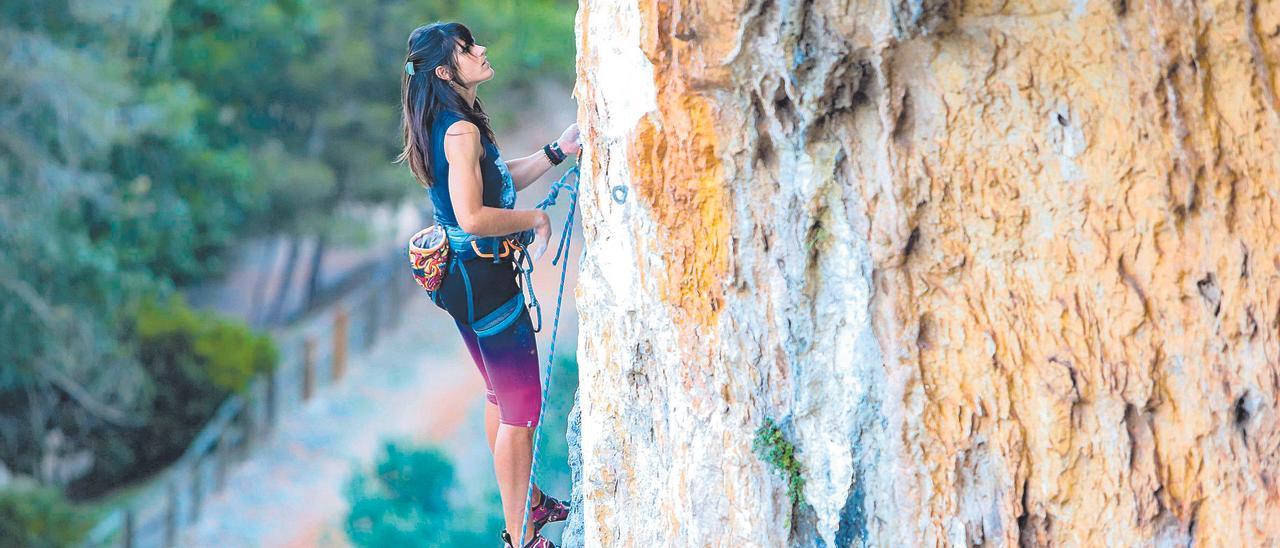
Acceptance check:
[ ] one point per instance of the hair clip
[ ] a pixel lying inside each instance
(408, 67)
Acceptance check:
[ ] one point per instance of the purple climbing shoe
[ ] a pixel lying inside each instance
(538, 541)
(548, 510)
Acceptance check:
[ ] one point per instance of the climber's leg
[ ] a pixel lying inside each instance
(491, 412)
(499, 334)
(473, 347)
(511, 359)
(491, 430)
(511, 460)
(490, 423)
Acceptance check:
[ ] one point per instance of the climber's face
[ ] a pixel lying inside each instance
(473, 65)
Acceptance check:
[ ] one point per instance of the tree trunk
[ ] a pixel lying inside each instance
(313, 272)
(322, 243)
(1003, 272)
(266, 267)
(286, 280)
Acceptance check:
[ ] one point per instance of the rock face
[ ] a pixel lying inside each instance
(1003, 271)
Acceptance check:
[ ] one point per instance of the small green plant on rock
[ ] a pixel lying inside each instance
(774, 448)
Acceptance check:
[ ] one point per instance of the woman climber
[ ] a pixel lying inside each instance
(451, 150)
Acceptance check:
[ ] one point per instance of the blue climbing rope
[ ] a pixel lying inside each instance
(562, 252)
(525, 263)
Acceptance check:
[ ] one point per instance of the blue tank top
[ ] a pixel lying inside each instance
(499, 190)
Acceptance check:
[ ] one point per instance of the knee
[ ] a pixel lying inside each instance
(524, 411)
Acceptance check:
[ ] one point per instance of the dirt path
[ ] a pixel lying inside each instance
(417, 384)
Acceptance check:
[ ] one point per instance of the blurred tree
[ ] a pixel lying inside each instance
(406, 502)
(65, 98)
(194, 359)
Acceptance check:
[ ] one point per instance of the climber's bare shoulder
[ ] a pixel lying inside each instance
(462, 143)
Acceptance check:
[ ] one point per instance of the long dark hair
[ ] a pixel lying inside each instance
(424, 95)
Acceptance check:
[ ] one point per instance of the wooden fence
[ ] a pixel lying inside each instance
(314, 351)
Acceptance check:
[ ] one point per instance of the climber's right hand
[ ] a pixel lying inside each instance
(541, 235)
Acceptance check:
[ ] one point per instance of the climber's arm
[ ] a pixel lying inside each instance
(524, 171)
(466, 189)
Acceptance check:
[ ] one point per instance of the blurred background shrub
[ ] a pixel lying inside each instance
(410, 500)
(34, 517)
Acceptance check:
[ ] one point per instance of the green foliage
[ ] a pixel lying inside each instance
(38, 518)
(61, 293)
(195, 359)
(225, 352)
(406, 502)
(775, 449)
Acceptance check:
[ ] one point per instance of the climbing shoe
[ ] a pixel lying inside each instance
(548, 510)
(538, 541)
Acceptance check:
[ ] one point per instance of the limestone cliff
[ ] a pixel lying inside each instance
(1003, 271)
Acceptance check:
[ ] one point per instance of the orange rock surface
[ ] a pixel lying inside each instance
(1004, 271)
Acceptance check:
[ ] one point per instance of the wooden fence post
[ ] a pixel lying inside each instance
(339, 358)
(397, 305)
(130, 528)
(251, 423)
(197, 485)
(220, 454)
(171, 516)
(272, 397)
(374, 327)
(308, 368)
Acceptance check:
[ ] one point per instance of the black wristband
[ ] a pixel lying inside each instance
(552, 154)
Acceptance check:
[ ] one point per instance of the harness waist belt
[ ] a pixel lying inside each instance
(466, 246)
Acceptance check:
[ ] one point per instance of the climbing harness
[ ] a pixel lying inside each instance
(562, 252)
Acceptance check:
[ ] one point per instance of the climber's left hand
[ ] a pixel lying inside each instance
(568, 140)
